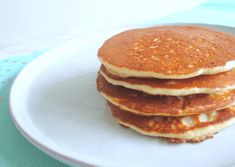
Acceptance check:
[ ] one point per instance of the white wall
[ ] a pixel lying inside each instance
(30, 19)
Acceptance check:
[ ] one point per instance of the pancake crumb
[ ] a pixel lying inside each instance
(190, 66)
(212, 116)
(156, 39)
(166, 56)
(153, 46)
(151, 123)
(169, 72)
(188, 121)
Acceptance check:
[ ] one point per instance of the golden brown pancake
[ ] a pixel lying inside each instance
(143, 104)
(207, 84)
(169, 52)
(186, 128)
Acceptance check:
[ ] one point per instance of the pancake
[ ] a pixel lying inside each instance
(168, 52)
(186, 129)
(207, 84)
(143, 104)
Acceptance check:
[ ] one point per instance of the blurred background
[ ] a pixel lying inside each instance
(31, 25)
(27, 26)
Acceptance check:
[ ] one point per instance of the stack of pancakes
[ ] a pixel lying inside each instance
(173, 82)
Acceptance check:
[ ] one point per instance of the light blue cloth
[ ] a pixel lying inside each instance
(16, 151)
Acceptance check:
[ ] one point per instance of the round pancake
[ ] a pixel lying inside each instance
(184, 128)
(207, 84)
(143, 104)
(168, 52)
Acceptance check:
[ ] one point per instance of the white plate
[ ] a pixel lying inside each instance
(55, 105)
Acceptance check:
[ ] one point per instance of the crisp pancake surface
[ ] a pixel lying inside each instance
(207, 84)
(173, 52)
(186, 127)
(144, 104)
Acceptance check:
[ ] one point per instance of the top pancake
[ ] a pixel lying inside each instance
(168, 52)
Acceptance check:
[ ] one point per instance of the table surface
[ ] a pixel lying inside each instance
(15, 150)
